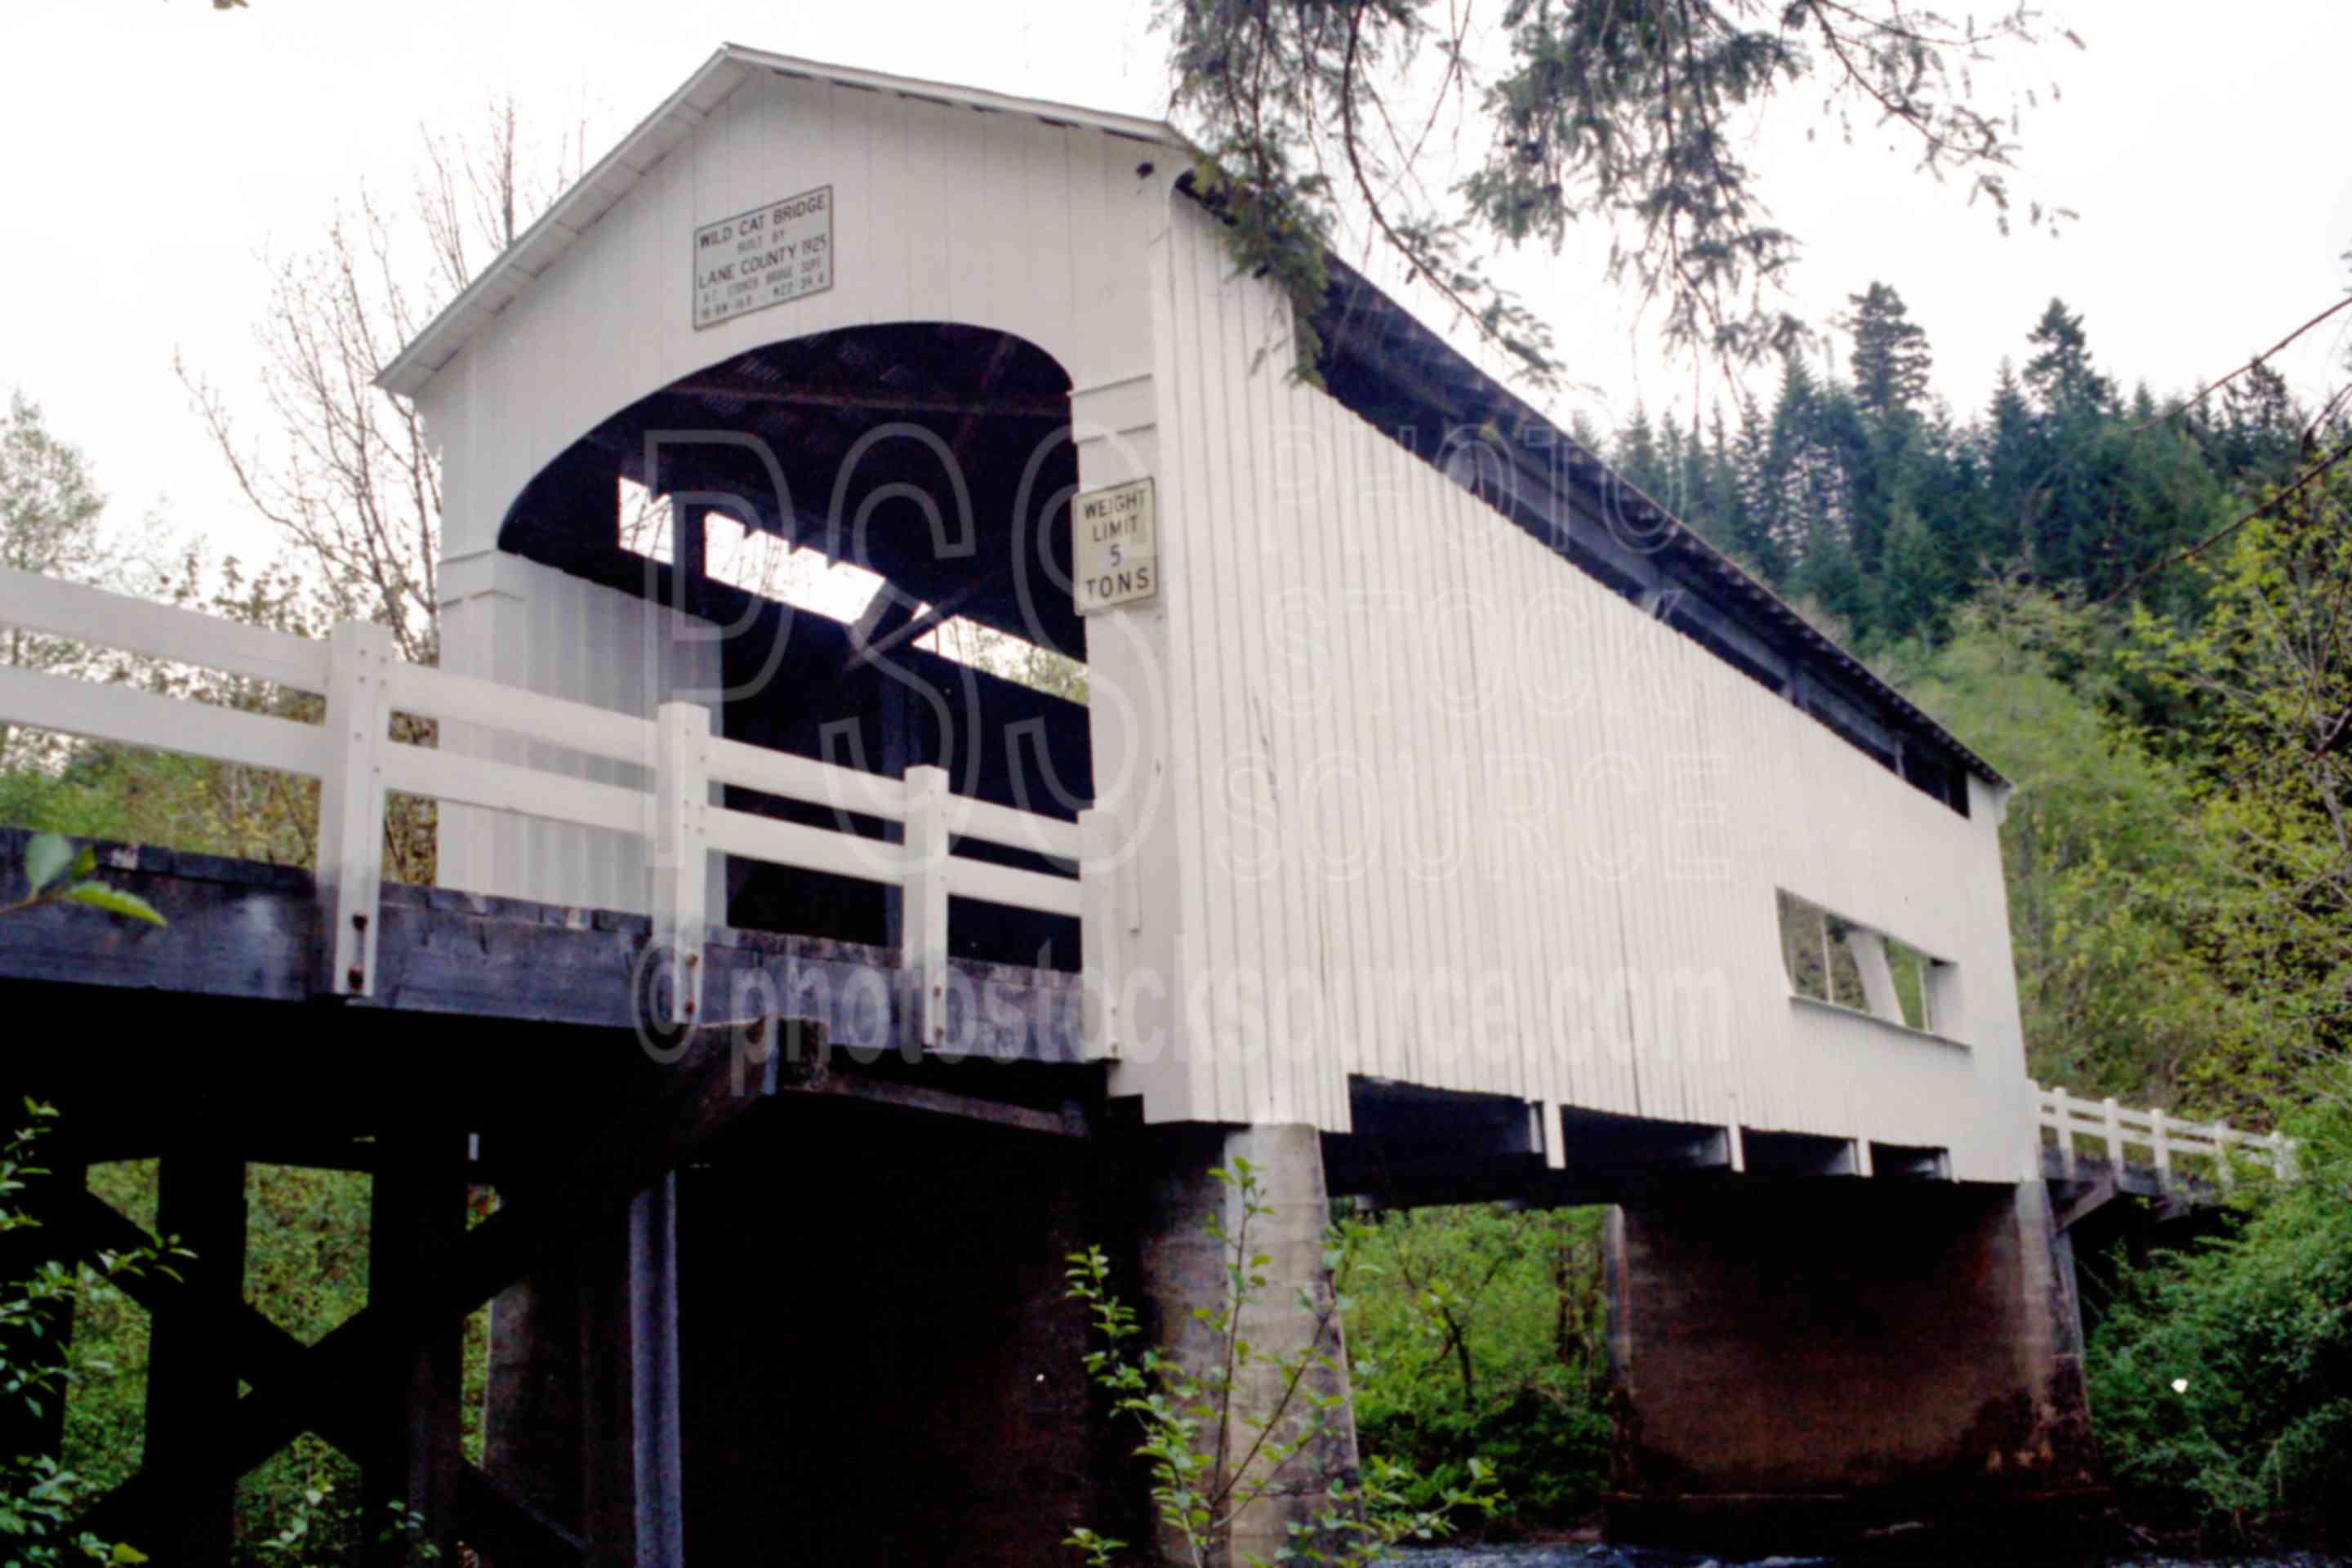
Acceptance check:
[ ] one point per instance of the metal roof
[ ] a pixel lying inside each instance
(601, 188)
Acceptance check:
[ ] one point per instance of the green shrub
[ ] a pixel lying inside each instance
(1477, 1332)
(2221, 1379)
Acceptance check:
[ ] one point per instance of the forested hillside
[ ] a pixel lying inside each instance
(2178, 881)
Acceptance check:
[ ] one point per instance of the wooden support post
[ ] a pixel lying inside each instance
(532, 1415)
(2160, 1140)
(350, 806)
(653, 1345)
(630, 1472)
(607, 1432)
(681, 850)
(2222, 1138)
(192, 1385)
(2110, 1119)
(2282, 1157)
(690, 556)
(925, 909)
(416, 1212)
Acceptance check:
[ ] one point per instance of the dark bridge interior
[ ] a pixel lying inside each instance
(937, 457)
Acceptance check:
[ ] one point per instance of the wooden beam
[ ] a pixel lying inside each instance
(489, 1514)
(416, 1212)
(243, 931)
(913, 630)
(673, 1116)
(192, 1392)
(876, 401)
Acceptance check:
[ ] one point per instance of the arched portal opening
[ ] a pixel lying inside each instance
(903, 492)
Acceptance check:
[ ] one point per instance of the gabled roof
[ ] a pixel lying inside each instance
(1416, 360)
(601, 189)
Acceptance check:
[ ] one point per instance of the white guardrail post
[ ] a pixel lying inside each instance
(2063, 1117)
(359, 657)
(681, 849)
(923, 906)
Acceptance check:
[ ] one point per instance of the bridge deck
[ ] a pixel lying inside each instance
(247, 931)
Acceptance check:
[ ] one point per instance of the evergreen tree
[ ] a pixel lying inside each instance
(1914, 586)
(1635, 455)
(1891, 359)
(2016, 458)
(2065, 387)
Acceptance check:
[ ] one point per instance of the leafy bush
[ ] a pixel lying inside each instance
(2222, 1378)
(1248, 1422)
(1477, 1332)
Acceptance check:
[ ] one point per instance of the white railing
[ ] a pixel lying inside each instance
(2070, 1118)
(356, 761)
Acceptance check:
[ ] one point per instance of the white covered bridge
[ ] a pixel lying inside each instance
(1442, 820)
(1437, 756)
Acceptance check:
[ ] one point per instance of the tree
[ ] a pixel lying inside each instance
(1891, 359)
(1913, 581)
(343, 470)
(1626, 113)
(49, 514)
(2106, 869)
(2265, 683)
(2060, 378)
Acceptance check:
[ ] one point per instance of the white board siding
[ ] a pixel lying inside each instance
(1378, 660)
(534, 629)
(1355, 659)
(940, 212)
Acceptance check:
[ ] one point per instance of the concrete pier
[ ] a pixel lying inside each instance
(1820, 1363)
(1184, 1268)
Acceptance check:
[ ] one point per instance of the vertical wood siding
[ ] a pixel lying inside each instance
(1460, 815)
(537, 629)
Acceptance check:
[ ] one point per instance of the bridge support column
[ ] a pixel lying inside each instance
(1817, 1362)
(1184, 1268)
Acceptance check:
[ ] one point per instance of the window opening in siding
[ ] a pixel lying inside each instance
(1848, 965)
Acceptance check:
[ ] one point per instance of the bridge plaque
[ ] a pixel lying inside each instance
(1115, 547)
(764, 256)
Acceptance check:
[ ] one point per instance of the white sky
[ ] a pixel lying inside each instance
(159, 149)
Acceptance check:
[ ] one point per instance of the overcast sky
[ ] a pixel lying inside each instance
(159, 150)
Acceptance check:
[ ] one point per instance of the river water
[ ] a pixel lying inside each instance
(1584, 1556)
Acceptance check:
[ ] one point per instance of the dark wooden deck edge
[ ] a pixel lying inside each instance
(247, 931)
